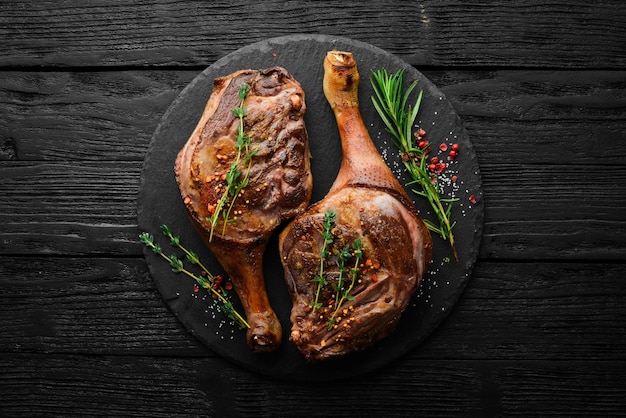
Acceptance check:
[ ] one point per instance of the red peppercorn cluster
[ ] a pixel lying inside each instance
(436, 165)
(219, 280)
(216, 283)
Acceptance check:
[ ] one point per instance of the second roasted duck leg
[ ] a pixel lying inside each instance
(352, 260)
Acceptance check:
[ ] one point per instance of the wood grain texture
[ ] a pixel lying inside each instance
(533, 116)
(110, 306)
(541, 328)
(77, 145)
(206, 387)
(91, 116)
(529, 34)
(58, 208)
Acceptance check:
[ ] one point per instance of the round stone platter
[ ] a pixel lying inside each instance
(303, 55)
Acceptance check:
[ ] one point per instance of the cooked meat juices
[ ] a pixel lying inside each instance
(279, 181)
(361, 294)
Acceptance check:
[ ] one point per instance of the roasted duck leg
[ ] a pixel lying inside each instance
(352, 260)
(272, 181)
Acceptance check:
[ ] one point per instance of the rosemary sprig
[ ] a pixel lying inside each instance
(234, 181)
(344, 294)
(327, 237)
(211, 283)
(399, 119)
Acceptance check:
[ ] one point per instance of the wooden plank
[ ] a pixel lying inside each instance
(78, 192)
(165, 386)
(551, 117)
(541, 212)
(53, 385)
(84, 115)
(554, 212)
(567, 117)
(509, 311)
(451, 33)
(86, 305)
(549, 311)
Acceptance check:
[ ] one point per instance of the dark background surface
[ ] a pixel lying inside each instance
(540, 329)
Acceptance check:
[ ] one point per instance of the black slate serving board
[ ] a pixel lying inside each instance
(302, 55)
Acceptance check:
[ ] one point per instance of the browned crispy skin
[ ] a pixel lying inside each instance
(370, 205)
(279, 186)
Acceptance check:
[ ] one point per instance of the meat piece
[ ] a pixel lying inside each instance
(369, 207)
(279, 182)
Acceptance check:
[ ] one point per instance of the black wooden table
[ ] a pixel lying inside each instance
(539, 331)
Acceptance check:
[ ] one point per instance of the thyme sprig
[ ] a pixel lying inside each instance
(348, 262)
(342, 294)
(342, 259)
(209, 282)
(327, 240)
(235, 183)
(399, 119)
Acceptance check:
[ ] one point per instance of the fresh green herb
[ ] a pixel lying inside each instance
(348, 261)
(342, 259)
(399, 119)
(236, 180)
(213, 284)
(343, 294)
(327, 240)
